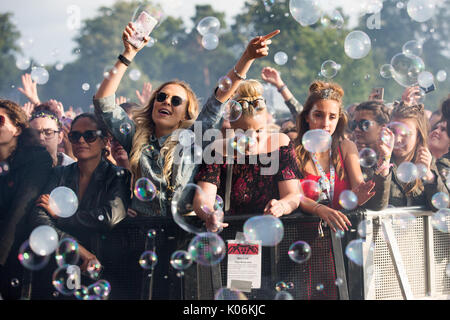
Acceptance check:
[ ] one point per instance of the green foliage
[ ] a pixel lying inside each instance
(8, 48)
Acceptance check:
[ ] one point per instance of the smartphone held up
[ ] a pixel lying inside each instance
(144, 23)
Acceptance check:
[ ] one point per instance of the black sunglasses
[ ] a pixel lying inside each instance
(362, 124)
(258, 103)
(175, 100)
(89, 136)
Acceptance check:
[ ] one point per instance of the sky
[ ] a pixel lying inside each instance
(48, 39)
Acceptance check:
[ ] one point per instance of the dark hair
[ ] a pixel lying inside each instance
(129, 106)
(44, 110)
(100, 126)
(381, 112)
(445, 109)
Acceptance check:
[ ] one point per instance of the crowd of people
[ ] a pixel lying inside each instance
(101, 155)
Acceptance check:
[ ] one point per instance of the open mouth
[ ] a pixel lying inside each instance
(164, 111)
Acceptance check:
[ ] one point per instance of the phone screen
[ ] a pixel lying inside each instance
(144, 24)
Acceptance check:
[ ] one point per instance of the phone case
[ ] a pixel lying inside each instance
(143, 25)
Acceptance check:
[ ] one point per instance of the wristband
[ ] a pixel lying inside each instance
(282, 88)
(238, 75)
(124, 60)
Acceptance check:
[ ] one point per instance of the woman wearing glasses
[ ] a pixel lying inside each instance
(101, 188)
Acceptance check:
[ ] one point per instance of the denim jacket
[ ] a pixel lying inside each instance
(151, 164)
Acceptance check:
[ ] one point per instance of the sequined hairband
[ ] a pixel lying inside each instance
(42, 114)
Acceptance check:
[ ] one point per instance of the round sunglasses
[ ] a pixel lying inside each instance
(174, 101)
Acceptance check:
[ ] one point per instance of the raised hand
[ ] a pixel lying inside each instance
(424, 157)
(272, 76)
(120, 100)
(29, 89)
(70, 113)
(144, 97)
(364, 192)
(44, 202)
(126, 35)
(259, 47)
(28, 107)
(411, 95)
(56, 106)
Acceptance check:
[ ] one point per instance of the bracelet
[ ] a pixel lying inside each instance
(318, 205)
(124, 60)
(238, 75)
(282, 88)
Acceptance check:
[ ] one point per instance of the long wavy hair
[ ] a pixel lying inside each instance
(417, 113)
(320, 90)
(145, 127)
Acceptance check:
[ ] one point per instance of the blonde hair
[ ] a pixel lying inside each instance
(320, 90)
(145, 127)
(249, 90)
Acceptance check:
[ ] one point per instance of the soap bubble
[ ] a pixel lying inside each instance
(386, 71)
(400, 5)
(339, 282)
(245, 143)
(109, 71)
(14, 283)
(332, 19)
(180, 260)
(81, 293)
(232, 110)
(425, 79)
(85, 86)
(348, 200)
(210, 41)
(280, 58)
(135, 74)
(66, 279)
(299, 252)
(4, 168)
(420, 10)
(31, 260)
(39, 75)
(354, 251)
(283, 295)
(311, 189)
(186, 137)
(67, 252)
(101, 289)
(218, 204)
(412, 47)
(367, 157)
(320, 287)
(440, 220)
(267, 228)
(225, 83)
(357, 44)
(281, 286)
(406, 69)
(422, 170)
(207, 249)
(407, 172)
(63, 202)
(441, 76)
(401, 134)
(144, 189)
(440, 200)
(208, 25)
(148, 260)
(316, 140)
(329, 69)
(362, 227)
(94, 269)
(305, 12)
(23, 63)
(43, 240)
(151, 42)
(403, 220)
(229, 294)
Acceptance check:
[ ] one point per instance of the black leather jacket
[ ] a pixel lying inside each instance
(104, 203)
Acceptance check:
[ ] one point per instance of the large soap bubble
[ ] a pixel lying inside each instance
(267, 228)
(440, 200)
(310, 189)
(305, 12)
(441, 220)
(43, 240)
(412, 47)
(329, 69)
(316, 140)
(208, 25)
(357, 44)
(29, 259)
(425, 79)
(210, 41)
(148, 260)
(280, 58)
(299, 251)
(354, 251)
(406, 69)
(66, 279)
(207, 249)
(441, 75)
(67, 252)
(63, 202)
(367, 157)
(39, 75)
(180, 260)
(421, 10)
(401, 134)
(348, 200)
(144, 189)
(332, 18)
(407, 172)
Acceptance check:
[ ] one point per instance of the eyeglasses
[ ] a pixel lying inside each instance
(48, 133)
(363, 124)
(258, 103)
(174, 101)
(89, 136)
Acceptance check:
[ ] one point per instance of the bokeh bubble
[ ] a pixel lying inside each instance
(43, 240)
(208, 25)
(101, 289)
(151, 151)
(320, 287)
(207, 249)
(440, 220)
(299, 251)
(283, 295)
(267, 228)
(357, 44)
(440, 200)
(348, 200)
(229, 294)
(386, 71)
(421, 10)
(210, 41)
(59, 66)
(305, 12)
(400, 5)
(85, 86)
(109, 71)
(66, 279)
(186, 137)
(218, 204)
(40, 75)
(401, 134)
(67, 252)
(15, 282)
(232, 110)
(407, 172)
(367, 157)
(404, 220)
(338, 282)
(148, 260)
(332, 19)
(4, 168)
(144, 189)
(63, 202)
(406, 69)
(425, 79)
(281, 286)
(94, 269)
(180, 260)
(412, 47)
(316, 140)
(362, 228)
(134, 74)
(225, 83)
(353, 251)
(81, 293)
(280, 58)
(245, 143)
(311, 189)
(441, 75)
(23, 63)
(422, 170)
(31, 260)
(329, 69)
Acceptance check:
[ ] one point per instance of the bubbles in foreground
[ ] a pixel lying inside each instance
(67, 252)
(225, 83)
(101, 289)
(367, 157)
(329, 69)
(267, 228)
(218, 204)
(148, 260)
(386, 71)
(210, 41)
(339, 282)
(316, 140)
(15, 282)
(229, 294)
(401, 134)
(39, 75)
(440, 200)
(94, 269)
(441, 75)
(186, 137)
(299, 252)
(362, 227)
(63, 202)
(180, 260)
(43, 240)
(23, 63)
(348, 200)
(311, 189)
(332, 19)
(207, 249)
(425, 79)
(403, 220)
(412, 47)
(354, 251)
(59, 66)
(280, 58)
(135, 74)
(66, 279)
(420, 10)
(320, 287)
(283, 295)
(4, 168)
(85, 86)
(109, 71)
(440, 220)
(357, 44)
(406, 69)
(183, 205)
(144, 189)
(245, 143)
(422, 170)
(208, 25)
(232, 110)
(407, 172)
(305, 12)
(31, 260)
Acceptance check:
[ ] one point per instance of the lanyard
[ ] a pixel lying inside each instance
(324, 182)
